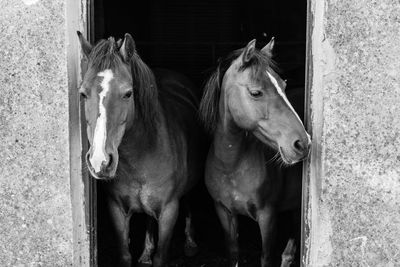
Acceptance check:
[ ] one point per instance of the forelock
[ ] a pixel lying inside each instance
(258, 65)
(105, 55)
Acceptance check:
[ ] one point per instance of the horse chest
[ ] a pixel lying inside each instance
(147, 182)
(137, 197)
(243, 190)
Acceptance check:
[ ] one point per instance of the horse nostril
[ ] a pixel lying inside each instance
(110, 160)
(105, 165)
(299, 146)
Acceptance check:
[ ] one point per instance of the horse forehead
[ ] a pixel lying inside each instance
(274, 80)
(239, 76)
(280, 91)
(107, 75)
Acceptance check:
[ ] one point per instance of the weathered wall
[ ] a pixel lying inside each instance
(35, 205)
(354, 187)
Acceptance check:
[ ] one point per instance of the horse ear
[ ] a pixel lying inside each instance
(248, 51)
(268, 48)
(128, 48)
(85, 45)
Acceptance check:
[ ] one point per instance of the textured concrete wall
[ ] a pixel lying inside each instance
(35, 205)
(354, 189)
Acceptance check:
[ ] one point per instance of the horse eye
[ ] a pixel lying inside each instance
(256, 93)
(128, 94)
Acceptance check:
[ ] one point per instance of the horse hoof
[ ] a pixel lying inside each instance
(144, 264)
(191, 251)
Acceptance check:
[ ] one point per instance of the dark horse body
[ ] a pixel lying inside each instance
(245, 107)
(150, 151)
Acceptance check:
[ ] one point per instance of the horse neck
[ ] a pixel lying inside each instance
(233, 145)
(230, 141)
(137, 140)
(228, 144)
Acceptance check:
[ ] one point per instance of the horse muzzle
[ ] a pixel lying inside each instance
(104, 170)
(298, 151)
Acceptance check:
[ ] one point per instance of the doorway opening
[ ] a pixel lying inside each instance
(189, 37)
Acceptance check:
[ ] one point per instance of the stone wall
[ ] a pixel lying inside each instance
(35, 204)
(353, 204)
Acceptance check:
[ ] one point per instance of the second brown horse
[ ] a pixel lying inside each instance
(245, 108)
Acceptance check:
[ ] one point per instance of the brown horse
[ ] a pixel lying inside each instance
(143, 134)
(245, 108)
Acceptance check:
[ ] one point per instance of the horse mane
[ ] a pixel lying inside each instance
(209, 105)
(146, 94)
(105, 55)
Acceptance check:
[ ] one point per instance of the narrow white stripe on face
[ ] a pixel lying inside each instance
(100, 132)
(282, 94)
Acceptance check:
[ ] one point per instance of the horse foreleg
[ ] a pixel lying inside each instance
(145, 258)
(190, 245)
(121, 224)
(289, 253)
(166, 223)
(229, 224)
(266, 224)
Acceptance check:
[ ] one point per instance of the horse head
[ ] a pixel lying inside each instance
(252, 96)
(111, 95)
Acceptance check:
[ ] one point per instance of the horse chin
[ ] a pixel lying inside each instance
(105, 176)
(286, 159)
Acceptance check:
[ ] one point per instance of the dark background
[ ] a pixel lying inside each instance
(189, 36)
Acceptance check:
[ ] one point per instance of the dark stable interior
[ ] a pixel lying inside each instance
(189, 37)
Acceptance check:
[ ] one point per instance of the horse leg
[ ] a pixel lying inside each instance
(121, 224)
(145, 258)
(296, 225)
(190, 248)
(266, 224)
(166, 223)
(288, 255)
(229, 224)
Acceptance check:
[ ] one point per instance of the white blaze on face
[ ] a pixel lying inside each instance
(100, 132)
(282, 94)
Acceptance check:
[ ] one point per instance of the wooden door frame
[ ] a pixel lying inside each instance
(83, 189)
(305, 189)
(312, 168)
